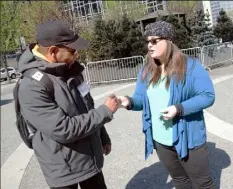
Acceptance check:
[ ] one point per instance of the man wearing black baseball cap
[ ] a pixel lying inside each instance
(58, 42)
(56, 33)
(69, 137)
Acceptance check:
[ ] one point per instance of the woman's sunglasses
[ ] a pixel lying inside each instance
(155, 41)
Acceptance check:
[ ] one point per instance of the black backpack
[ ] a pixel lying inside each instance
(26, 130)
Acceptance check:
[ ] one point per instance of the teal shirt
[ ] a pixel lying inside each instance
(158, 97)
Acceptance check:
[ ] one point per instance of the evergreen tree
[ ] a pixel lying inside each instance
(182, 38)
(99, 42)
(224, 27)
(116, 39)
(201, 31)
(209, 35)
(137, 41)
(130, 41)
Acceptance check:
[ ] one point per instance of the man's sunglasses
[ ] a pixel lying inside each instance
(155, 41)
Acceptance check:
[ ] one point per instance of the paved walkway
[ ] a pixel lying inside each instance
(125, 167)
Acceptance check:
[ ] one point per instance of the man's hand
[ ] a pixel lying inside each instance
(124, 101)
(112, 103)
(107, 149)
(169, 113)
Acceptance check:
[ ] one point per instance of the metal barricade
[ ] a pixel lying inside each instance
(124, 69)
(121, 69)
(216, 54)
(193, 52)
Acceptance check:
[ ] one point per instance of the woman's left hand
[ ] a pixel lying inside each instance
(169, 112)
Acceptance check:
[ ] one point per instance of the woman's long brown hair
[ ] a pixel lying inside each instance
(175, 64)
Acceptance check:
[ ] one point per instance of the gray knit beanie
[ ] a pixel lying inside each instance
(160, 28)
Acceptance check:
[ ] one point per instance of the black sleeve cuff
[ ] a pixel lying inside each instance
(180, 110)
(130, 106)
(105, 139)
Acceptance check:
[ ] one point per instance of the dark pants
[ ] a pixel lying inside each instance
(95, 182)
(192, 172)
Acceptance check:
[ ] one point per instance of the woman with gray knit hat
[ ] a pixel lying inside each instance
(172, 90)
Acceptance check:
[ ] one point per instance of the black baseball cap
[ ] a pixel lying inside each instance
(55, 32)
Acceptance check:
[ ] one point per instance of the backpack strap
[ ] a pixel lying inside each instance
(15, 94)
(41, 78)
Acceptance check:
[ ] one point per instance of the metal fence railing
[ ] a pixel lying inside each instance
(194, 52)
(113, 70)
(213, 55)
(124, 69)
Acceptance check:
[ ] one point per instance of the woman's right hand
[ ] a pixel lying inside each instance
(124, 101)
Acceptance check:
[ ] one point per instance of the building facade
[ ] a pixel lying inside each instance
(86, 9)
(214, 7)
